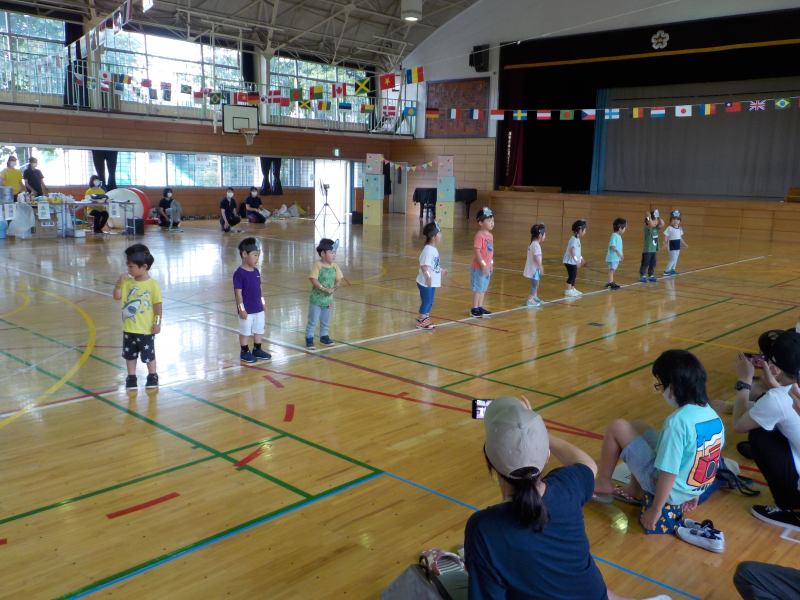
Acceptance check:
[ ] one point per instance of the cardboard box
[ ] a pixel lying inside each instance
(373, 212)
(374, 164)
(445, 164)
(445, 213)
(45, 229)
(445, 189)
(373, 187)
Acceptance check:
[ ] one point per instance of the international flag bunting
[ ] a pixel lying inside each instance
(104, 86)
(362, 86)
(409, 111)
(127, 12)
(656, 112)
(187, 89)
(119, 88)
(253, 98)
(315, 93)
(322, 105)
(91, 83)
(782, 103)
(304, 105)
(520, 115)
(147, 83)
(339, 90)
(414, 75)
(683, 111)
(589, 114)
(285, 102)
(215, 98)
(240, 97)
(367, 108)
(612, 113)
(708, 109)
(166, 95)
(389, 111)
(637, 112)
(733, 107)
(758, 105)
(543, 115)
(497, 115)
(295, 95)
(153, 94)
(93, 40)
(262, 99)
(105, 76)
(124, 78)
(274, 97)
(431, 113)
(567, 115)
(165, 85)
(198, 96)
(476, 114)
(387, 81)
(345, 106)
(453, 113)
(78, 79)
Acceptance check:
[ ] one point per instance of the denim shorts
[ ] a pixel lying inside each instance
(640, 456)
(478, 282)
(612, 264)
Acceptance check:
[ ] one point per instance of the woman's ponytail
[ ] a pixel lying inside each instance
(527, 506)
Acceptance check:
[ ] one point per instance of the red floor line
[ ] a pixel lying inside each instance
(127, 511)
(289, 413)
(253, 455)
(749, 469)
(3, 542)
(273, 381)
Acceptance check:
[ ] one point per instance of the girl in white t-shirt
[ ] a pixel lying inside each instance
(533, 265)
(573, 258)
(430, 274)
(673, 238)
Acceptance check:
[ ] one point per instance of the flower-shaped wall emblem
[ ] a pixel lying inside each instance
(660, 39)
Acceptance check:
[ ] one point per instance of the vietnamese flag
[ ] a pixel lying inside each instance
(387, 81)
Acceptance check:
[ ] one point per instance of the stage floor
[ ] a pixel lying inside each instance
(324, 474)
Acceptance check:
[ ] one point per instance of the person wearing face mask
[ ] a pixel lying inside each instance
(100, 215)
(253, 203)
(227, 209)
(34, 180)
(11, 176)
(164, 210)
(672, 467)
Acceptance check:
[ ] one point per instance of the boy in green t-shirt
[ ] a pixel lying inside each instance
(652, 224)
(325, 278)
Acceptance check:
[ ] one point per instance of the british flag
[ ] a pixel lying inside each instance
(758, 105)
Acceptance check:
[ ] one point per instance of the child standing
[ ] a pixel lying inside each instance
(614, 255)
(533, 265)
(325, 278)
(140, 296)
(573, 258)
(481, 269)
(652, 223)
(249, 301)
(673, 238)
(430, 274)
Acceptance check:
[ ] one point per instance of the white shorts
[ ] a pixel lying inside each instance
(252, 325)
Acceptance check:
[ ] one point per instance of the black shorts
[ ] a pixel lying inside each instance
(136, 344)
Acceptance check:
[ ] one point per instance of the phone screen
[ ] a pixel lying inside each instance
(479, 408)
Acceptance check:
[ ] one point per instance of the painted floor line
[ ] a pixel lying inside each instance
(138, 507)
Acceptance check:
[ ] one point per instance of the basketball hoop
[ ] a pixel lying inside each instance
(249, 135)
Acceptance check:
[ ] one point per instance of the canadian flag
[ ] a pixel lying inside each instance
(207, 91)
(339, 90)
(274, 97)
(390, 111)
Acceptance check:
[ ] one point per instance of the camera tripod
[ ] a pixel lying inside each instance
(323, 188)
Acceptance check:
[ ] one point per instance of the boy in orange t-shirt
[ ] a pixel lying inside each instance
(481, 270)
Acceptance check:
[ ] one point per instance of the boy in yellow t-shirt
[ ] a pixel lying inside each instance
(140, 296)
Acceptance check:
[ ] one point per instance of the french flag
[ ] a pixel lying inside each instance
(476, 115)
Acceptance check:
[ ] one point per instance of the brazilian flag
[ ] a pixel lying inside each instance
(215, 98)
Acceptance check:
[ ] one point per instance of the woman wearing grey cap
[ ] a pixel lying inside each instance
(534, 543)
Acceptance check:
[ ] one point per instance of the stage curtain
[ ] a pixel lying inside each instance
(600, 134)
(745, 154)
(271, 164)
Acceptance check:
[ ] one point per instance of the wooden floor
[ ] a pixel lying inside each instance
(361, 455)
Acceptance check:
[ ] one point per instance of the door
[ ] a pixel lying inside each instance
(332, 173)
(397, 200)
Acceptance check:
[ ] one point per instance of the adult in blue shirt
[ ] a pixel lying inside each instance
(227, 209)
(533, 545)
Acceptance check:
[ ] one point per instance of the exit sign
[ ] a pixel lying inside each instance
(336, 152)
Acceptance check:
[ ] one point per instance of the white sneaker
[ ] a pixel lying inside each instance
(570, 293)
(577, 292)
(660, 597)
(702, 535)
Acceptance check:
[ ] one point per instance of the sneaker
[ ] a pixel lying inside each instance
(425, 324)
(571, 293)
(643, 279)
(534, 302)
(660, 597)
(485, 312)
(130, 382)
(614, 286)
(653, 279)
(703, 535)
(577, 291)
(310, 344)
(538, 300)
(326, 341)
(247, 356)
(608, 285)
(475, 312)
(744, 449)
(260, 354)
(152, 381)
(772, 514)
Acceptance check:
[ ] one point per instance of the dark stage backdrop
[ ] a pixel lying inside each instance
(560, 152)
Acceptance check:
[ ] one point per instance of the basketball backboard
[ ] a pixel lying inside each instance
(235, 118)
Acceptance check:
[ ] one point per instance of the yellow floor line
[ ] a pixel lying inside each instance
(709, 344)
(84, 357)
(21, 308)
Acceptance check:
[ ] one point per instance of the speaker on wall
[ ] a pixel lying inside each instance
(479, 58)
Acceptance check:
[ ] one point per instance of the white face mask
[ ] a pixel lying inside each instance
(230, 194)
(95, 183)
(254, 194)
(34, 165)
(13, 163)
(169, 194)
(670, 401)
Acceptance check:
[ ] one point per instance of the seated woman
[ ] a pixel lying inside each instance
(165, 212)
(98, 212)
(227, 210)
(253, 204)
(533, 544)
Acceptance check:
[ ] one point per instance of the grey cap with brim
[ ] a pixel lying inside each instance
(516, 437)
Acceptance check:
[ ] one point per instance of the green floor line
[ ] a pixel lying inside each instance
(212, 538)
(784, 282)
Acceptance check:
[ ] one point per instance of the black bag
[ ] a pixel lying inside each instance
(357, 217)
(725, 478)
(417, 582)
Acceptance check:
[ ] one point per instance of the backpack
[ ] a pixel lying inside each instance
(417, 582)
(728, 476)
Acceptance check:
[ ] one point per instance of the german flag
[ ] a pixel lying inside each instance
(253, 98)
(431, 113)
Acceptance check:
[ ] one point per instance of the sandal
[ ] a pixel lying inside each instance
(623, 496)
(441, 561)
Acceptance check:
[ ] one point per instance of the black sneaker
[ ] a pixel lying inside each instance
(772, 514)
(475, 312)
(310, 344)
(613, 286)
(152, 381)
(326, 341)
(744, 449)
(247, 356)
(261, 355)
(130, 382)
(485, 312)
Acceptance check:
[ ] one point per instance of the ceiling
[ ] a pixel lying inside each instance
(367, 33)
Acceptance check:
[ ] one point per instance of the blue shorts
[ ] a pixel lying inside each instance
(640, 456)
(612, 264)
(478, 282)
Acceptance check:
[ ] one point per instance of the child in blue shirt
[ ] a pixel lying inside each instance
(614, 255)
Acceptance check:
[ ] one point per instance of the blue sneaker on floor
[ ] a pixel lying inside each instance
(261, 355)
(326, 341)
(653, 280)
(310, 344)
(247, 356)
(643, 279)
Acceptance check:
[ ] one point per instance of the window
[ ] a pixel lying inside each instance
(31, 37)
(141, 168)
(359, 173)
(241, 171)
(189, 170)
(296, 172)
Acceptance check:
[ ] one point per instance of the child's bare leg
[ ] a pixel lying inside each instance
(477, 299)
(243, 340)
(131, 364)
(151, 367)
(611, 276)
(619, 434)
(256, 338)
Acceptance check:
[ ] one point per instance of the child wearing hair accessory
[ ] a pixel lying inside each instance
(673, 238)
(614, 255)
(140, 296)
(430, 274)
(573, 258)
(325, 278)
(533, 265)
(481, 269)
(249, 301)
(652, 223)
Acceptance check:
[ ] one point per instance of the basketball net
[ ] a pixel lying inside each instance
(249, 135)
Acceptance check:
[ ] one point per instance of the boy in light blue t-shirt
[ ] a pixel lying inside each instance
(614, 255)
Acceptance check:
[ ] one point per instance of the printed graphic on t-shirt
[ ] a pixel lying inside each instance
(707, 457)
(436, 267)
(135, 305)
(489, 246)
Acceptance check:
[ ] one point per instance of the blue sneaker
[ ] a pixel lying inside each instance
(326, 341)
(310, 344)
(653, 280)
(247, 356)
(261, 355)
(643, 279)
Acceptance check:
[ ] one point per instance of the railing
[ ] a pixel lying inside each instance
(61, 88)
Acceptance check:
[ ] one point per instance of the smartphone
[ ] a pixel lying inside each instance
(755, 359)
(479, 408)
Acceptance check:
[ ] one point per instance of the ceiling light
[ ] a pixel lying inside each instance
(411, 10)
